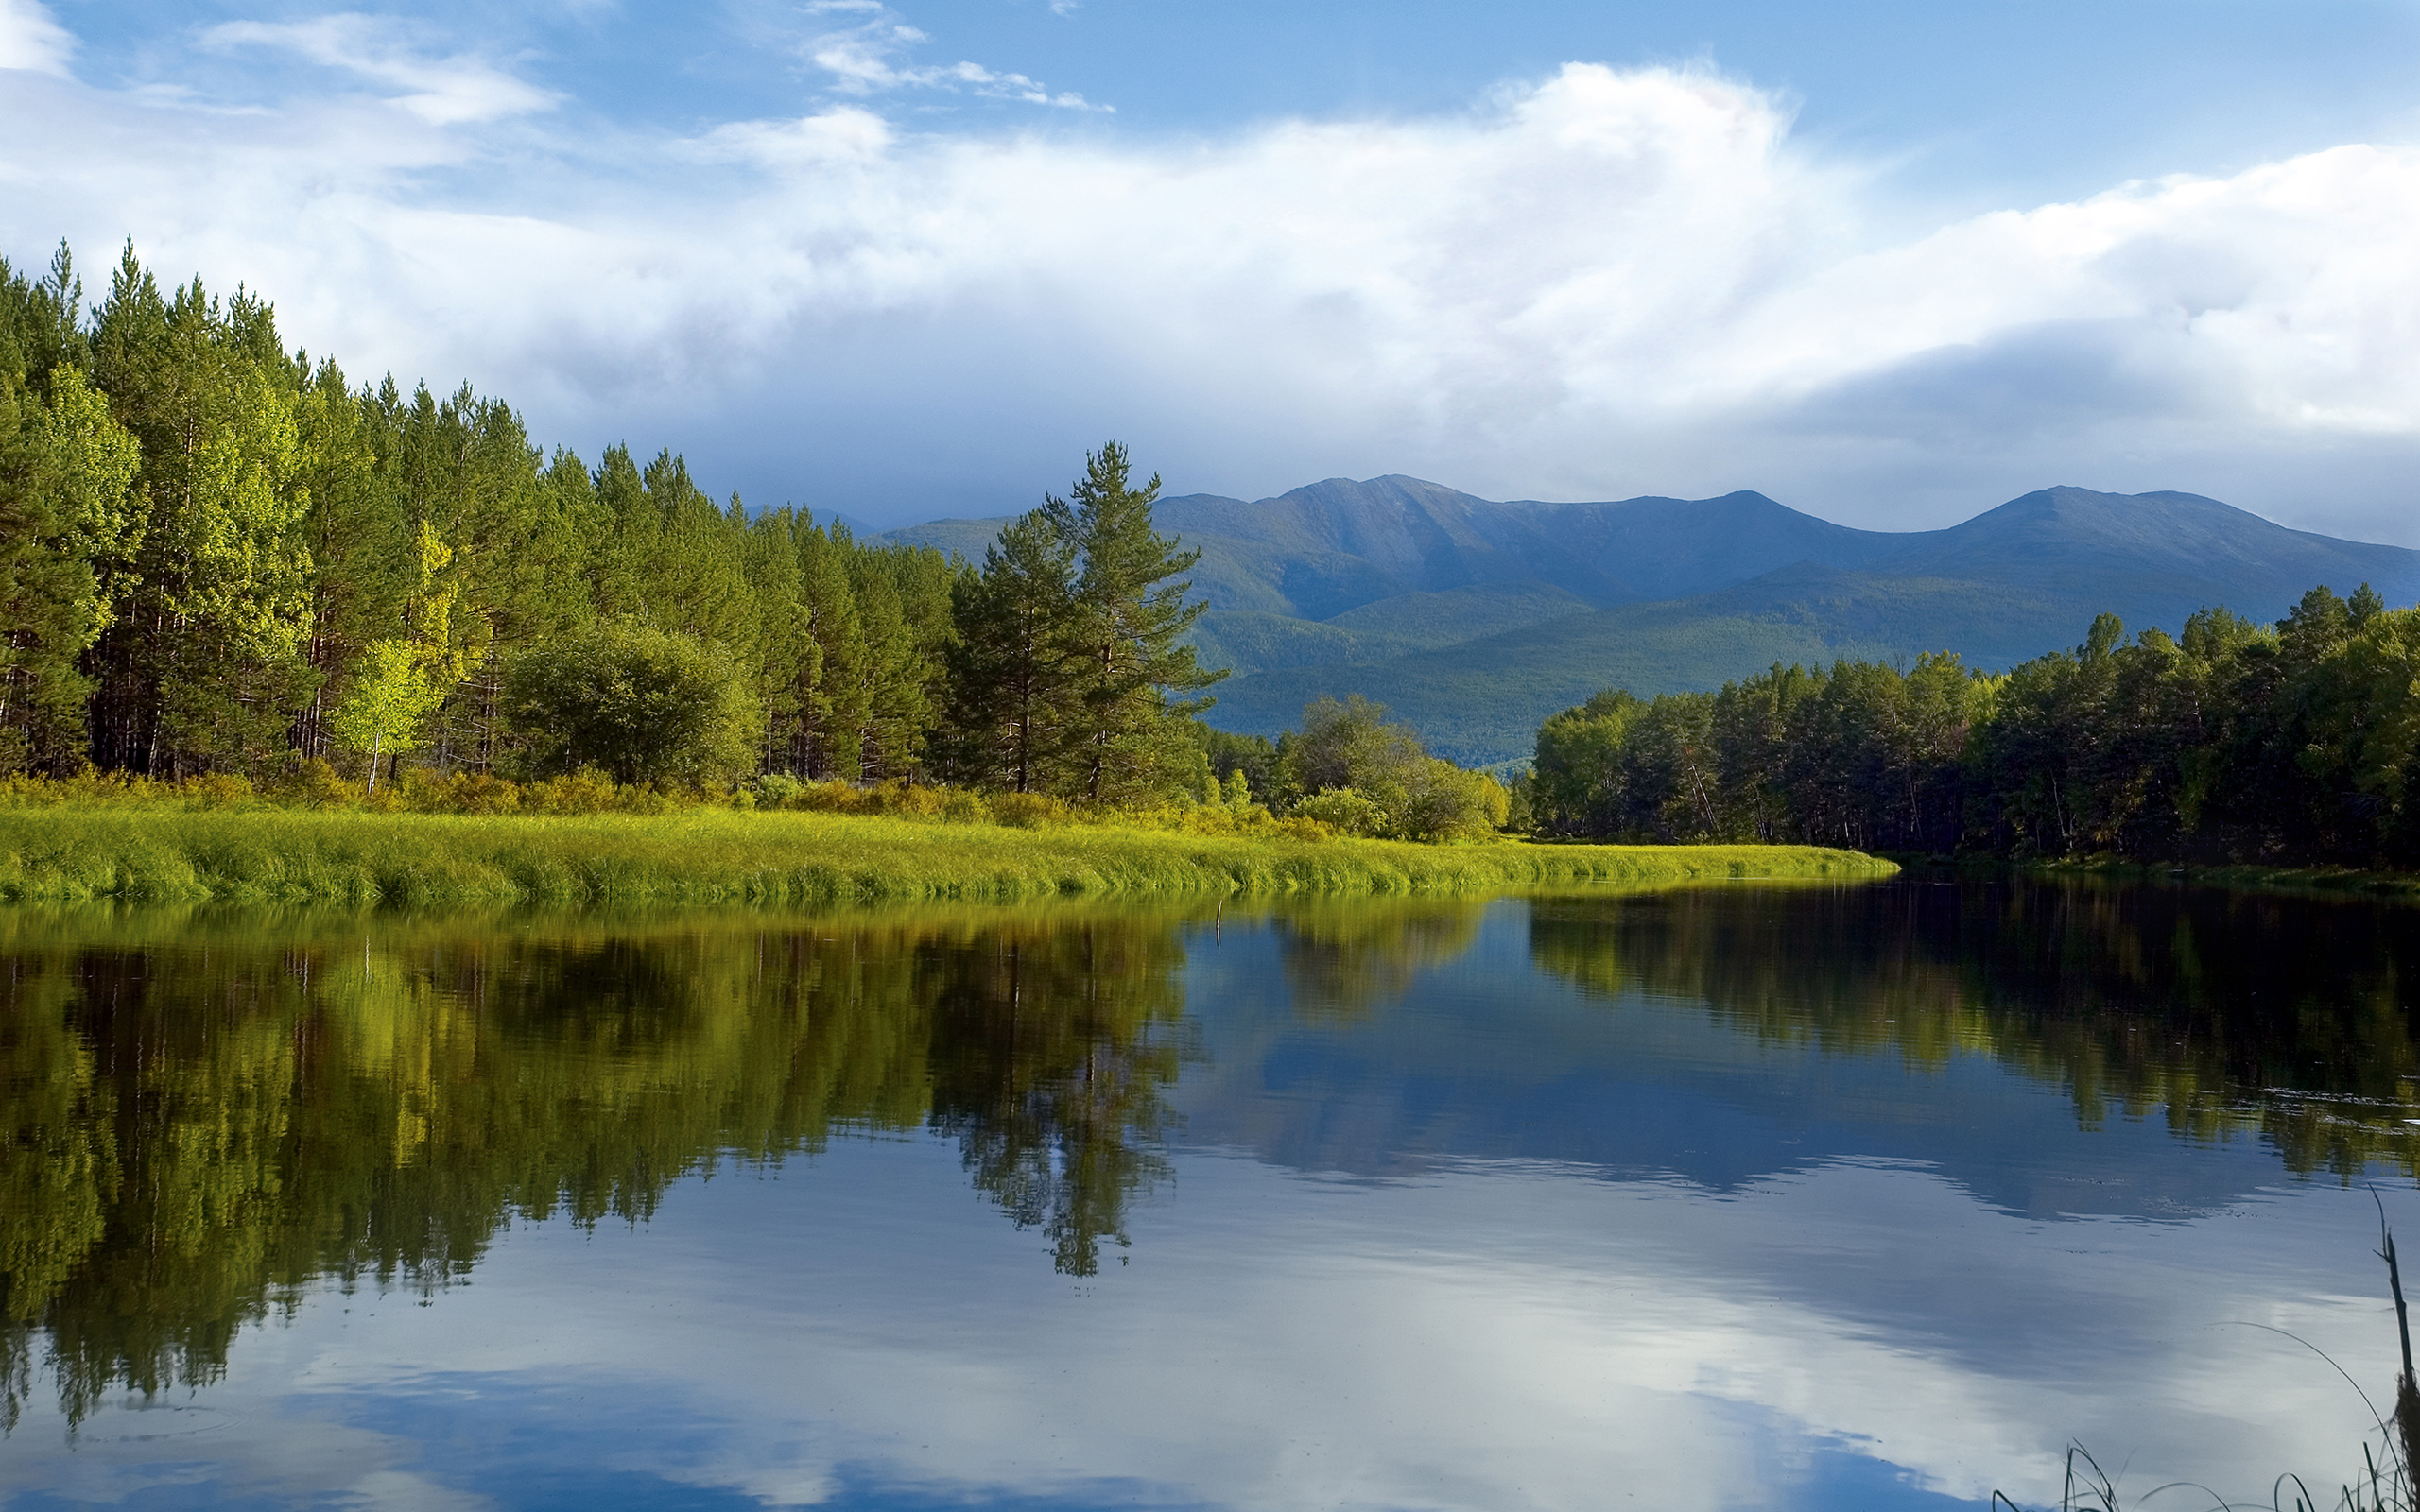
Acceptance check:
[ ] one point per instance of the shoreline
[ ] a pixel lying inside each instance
(60, 854)
(2329, 880)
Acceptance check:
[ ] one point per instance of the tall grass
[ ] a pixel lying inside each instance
(71, 853)
(2387, 1481)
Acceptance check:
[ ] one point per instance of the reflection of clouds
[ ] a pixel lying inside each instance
(225, 1447)
(1495, 1337)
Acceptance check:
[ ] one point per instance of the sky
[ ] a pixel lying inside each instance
(1889, 262)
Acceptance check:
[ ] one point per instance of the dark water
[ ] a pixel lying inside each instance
(1748, 1196)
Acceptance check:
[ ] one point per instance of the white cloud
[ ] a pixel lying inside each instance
(1606, 282)
(860, 60)
(31, 40)
(443, 91)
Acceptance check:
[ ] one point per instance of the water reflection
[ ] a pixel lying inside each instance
(202, 1123)
(212, 1121)
(1345, 958)
(2224, 1013)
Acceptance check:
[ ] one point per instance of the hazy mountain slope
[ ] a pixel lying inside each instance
(2146, 548)
(1480, 702)
(1251, 642)
(1335, 547)
(969, 539)
(1671, 548)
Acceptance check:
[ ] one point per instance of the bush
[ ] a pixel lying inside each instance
(586, 791)
(643, 705)
(217, 790)
(311, 784)
(1445, 802)
(424, 792)
(1027, 811)
(1343, 811)
(1350, 748)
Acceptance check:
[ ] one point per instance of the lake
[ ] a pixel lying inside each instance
(1873, 1196)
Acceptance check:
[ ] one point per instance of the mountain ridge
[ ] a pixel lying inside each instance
(1474, 619)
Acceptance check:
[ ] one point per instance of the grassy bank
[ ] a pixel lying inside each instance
(714, 855)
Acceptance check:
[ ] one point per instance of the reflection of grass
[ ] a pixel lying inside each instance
(720, 856)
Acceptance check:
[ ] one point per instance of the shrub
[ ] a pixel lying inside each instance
(775, 790)
(1027, 811)
(311, 784)
(1342, 810)
(426, 792)
(644, 705)
(217, 790)
(1445, 802)
(586, 791)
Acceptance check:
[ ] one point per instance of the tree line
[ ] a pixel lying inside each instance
(2291, 743)
(220, 557)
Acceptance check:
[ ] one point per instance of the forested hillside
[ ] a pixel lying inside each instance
(2291, 744)
(217, 556)
(1474, 620)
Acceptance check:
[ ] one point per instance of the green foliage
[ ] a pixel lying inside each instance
(65, 531)
(1378, 780)
(1345, 811)
(1126, 635)
(218, 556)
(2234, 744)
(645, 705)
(1014, 668)
(390, 697)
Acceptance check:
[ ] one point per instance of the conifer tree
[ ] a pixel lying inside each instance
(783, 646)
(892, 733)
(833, 702)
(64, 468)
(1134, 742)
(202, 668)
(1014, 703)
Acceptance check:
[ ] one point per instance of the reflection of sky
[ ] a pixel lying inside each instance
(1399, 1268)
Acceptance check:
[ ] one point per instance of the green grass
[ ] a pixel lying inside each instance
(720, 856)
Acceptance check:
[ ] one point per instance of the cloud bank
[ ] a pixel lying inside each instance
(1605, 282)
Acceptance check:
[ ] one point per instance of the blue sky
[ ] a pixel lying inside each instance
(1890, 263)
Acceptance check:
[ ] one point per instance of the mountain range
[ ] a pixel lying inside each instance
(1474, 619)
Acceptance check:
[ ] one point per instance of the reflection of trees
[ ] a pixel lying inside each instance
(201, 1128)
(1343, 957)
(1049, 1057)
(2231, 1012)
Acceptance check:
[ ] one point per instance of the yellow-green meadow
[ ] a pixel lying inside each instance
(721, 855)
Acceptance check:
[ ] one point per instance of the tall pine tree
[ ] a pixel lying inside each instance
(1015, 703)
(1133, 743)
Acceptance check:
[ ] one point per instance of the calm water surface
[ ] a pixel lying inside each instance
(1869, 1197)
